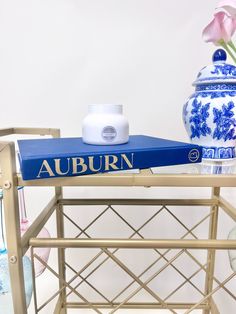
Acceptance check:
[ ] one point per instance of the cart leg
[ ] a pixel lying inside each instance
(211, 253)
(12, 226)
(60, 306)
(214, 308)
(61, 255)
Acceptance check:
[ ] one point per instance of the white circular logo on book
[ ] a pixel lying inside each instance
(193, 155)
(109, 133)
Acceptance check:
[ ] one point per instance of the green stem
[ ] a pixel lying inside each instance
(232, 46)
(225, 46)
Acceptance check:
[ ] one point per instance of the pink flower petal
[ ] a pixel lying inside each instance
(222, 27)
(234, 26)
(212, 32)
(231, 3)
(228, 28)
(228, 5)
(220, 16)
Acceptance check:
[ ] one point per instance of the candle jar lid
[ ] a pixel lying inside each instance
(105, 108)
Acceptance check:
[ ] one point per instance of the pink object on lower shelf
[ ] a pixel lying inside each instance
(43, 253)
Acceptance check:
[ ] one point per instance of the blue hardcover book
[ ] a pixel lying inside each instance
(61, 157)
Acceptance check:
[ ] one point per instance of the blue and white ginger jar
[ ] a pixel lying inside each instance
(209, 114)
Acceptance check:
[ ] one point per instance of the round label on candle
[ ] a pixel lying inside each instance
(109, 133)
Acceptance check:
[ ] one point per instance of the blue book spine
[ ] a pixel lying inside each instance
(51, 167)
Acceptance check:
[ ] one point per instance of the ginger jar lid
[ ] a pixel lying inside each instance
(217, 72)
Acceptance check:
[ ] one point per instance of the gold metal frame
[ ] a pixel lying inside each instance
(17, 246)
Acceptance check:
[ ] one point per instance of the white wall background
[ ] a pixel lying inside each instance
(58, 56)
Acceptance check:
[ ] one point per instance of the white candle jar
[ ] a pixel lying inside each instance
(105, 125)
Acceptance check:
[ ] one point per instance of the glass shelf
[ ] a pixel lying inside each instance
(205, 167)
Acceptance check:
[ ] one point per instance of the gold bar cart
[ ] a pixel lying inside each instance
(17, 246)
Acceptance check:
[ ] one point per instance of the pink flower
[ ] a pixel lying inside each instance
(221, 28)
(229, 6)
